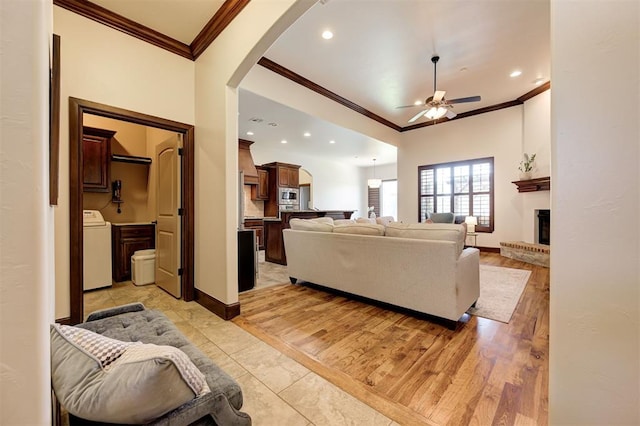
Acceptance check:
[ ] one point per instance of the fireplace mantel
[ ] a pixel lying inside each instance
(531, 185)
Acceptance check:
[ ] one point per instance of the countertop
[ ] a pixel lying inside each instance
(131, 223)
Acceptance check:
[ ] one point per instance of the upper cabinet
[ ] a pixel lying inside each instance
(261, 190)
(96, 156)
(288, 176)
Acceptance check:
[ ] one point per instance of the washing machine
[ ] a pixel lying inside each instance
(97, 250)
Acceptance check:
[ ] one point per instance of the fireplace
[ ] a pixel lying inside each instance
(544, 227)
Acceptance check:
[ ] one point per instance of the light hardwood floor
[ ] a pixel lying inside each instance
(412, 370)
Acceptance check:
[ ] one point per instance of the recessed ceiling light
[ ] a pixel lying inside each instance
(283, 141)
(332, 141)
(272, 124)
(417, 103)
(250, 133)
(307, 134)
(538, 81)
(515, 73)
(327, 35)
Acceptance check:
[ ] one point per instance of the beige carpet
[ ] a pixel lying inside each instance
(500, 291)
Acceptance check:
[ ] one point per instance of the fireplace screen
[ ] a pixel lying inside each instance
(544, 227)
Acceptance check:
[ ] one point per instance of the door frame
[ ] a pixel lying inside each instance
(77, 108)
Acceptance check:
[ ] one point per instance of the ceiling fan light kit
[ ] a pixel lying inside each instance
(437, 106)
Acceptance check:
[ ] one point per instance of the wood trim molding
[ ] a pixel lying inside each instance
(77, 108)
(489, 249)
(297, 78)
(54, 122)
(224, 311)
(118, 22)
(223, 17)
(535, 92)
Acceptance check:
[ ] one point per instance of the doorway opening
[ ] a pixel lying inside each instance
(77, 109)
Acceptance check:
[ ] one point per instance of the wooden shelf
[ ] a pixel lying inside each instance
(130, 159)
(531, 185)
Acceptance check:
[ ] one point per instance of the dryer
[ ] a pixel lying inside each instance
(96, 254)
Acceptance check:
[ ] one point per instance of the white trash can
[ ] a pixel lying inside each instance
(143, 267)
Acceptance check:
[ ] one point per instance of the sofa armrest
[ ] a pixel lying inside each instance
(468, 278)
(111, 312)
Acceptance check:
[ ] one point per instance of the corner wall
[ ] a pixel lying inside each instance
(595, 278)
(218, 71)
(26, 219)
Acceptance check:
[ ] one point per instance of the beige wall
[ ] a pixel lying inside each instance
(594, 362)
(218, 72)
(26, 219)
(153, 82)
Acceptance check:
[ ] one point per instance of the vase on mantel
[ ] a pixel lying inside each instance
(525, 175)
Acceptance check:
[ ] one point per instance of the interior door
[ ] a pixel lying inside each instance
(168, 241)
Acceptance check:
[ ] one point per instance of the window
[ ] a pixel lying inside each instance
(389, 198)
(463, 187)
(384, 199)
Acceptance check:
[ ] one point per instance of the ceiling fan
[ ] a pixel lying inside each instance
(437, 106)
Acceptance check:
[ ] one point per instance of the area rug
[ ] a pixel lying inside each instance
(500, 291)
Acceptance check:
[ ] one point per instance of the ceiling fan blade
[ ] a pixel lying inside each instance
(438, 96)
(410, 106)
(418, 115)
(450, 114)
(463, 100)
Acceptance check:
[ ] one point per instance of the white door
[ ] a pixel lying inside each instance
(168, 221)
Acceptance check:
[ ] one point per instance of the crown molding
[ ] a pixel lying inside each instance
(284, 72)
(126, 25)
(223, 17)
(297, 78)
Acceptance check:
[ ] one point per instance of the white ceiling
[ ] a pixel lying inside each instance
(379, 58)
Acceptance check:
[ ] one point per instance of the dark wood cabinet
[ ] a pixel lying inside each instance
(281, 175)
(261, 190)
(288, 176)
(258, 226)
(96, 159)
(125, 240)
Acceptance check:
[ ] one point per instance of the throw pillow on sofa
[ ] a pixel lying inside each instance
(385, 220)
(101, 379)
(360, 229)
(310, 225)
(366, 220)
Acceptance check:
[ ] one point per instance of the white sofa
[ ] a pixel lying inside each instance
(421, 267)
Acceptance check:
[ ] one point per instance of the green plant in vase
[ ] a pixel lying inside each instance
(526, 166)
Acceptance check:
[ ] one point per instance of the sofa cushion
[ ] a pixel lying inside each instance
(101, 379)
(323, 219)
(360, 229)
(429, 231)
(365, 220)
(343, 221)
(441, 217)
(310, 225)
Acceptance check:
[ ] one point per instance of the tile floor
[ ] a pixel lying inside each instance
(277, 390)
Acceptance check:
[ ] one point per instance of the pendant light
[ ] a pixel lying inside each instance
(374, 183)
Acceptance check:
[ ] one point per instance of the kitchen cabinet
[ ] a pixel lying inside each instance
(96, 159)
(288, 176)
(261, 190)
(125, 240)
(258, 226)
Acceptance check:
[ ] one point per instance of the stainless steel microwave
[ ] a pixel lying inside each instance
(288, 196)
